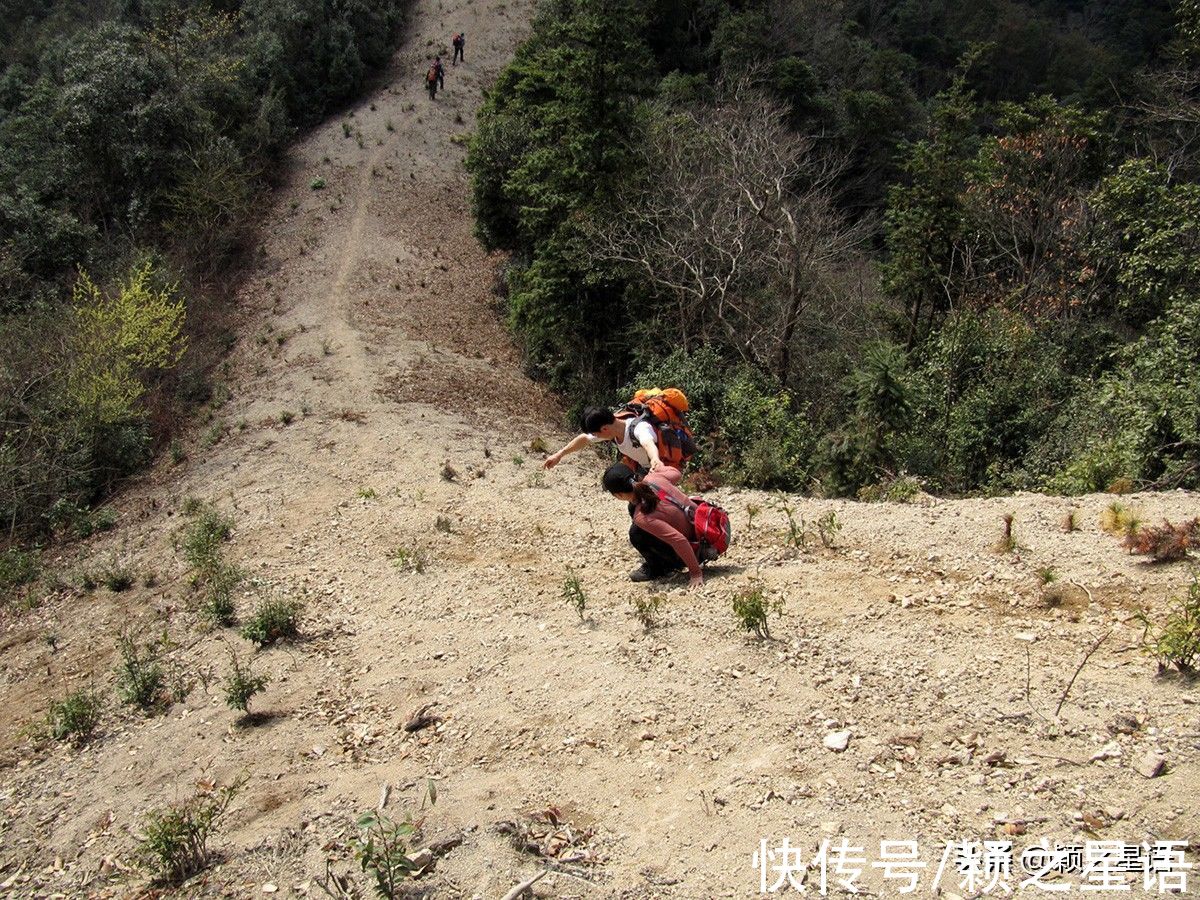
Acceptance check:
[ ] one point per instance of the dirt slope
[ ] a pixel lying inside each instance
(664, 757)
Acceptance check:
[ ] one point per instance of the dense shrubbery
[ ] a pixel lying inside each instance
(132, 142)
(920, 238)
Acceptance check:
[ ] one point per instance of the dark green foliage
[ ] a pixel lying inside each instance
(242, 684)
(749, 430)
(17, 568)
(75, 717)
(554, 135)
(133, 132)
(274, 620)
(1176, 642)
(140, 680)
(203, 538)
(174, 839)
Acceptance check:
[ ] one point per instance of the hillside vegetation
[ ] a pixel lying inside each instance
(954, 240)
(134, 140)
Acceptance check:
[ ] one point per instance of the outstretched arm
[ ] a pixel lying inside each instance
(576, 444)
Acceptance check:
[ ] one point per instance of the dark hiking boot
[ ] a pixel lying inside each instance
(641, 573)
(708, 554)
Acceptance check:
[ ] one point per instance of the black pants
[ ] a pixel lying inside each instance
(659, 557)
(458, 54)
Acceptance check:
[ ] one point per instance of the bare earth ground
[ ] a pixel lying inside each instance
(665, 756)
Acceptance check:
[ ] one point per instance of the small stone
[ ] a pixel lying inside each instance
(949, 811)
(837, 741)
(1111, 750)
(906, 738)
(1151, 765)
(422, 859)
(1123, 724)
(269, 888)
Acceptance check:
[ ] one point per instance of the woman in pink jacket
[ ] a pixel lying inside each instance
(662, 531)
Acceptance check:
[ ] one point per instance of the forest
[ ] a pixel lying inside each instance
(874, 241)
(135, 136)
(877, 243)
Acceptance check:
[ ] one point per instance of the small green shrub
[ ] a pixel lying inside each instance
(317, 183)
(1047, 576)
(75, 716)
(409, 560)
(752, 510)
(798, 532)
(382, 849)
(367, 494)
(274, 620)
(286, 417)
(751, 606)
(202, 538)
(242, 684)
(442, 524)
(174, 840)
(117, 577)
(828, 528)
(218, 608)
(645, 609)
(212, 436)
(1177, 642)
(140, 680)
(572, 593)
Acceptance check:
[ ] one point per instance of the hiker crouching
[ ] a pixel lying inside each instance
(662, 531)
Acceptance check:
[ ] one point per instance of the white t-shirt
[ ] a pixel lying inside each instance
(645, 434)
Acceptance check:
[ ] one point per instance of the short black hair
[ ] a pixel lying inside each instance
(596, 417)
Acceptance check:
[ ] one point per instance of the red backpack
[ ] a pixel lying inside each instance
(431, 75)
(710, 522)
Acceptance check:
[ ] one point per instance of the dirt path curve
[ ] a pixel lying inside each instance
(374, 455)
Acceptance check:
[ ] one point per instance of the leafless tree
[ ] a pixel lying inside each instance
(735, 222)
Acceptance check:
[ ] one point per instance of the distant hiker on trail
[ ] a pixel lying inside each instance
(441, 72)
(649, 431)
(459, 42)
(670, 530)
(431, 80)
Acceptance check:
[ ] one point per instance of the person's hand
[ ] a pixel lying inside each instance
(552, 460)
(696, 582)
(655, 464)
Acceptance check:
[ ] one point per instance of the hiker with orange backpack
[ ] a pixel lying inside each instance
(670, 530)
(459, 41)
(431, 81)
(435, 78)
(649, 431)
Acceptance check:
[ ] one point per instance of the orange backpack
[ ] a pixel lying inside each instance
(431, 75)
(666, 411)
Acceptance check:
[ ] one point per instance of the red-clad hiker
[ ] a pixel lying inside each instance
(460, 41)
(671, 530)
